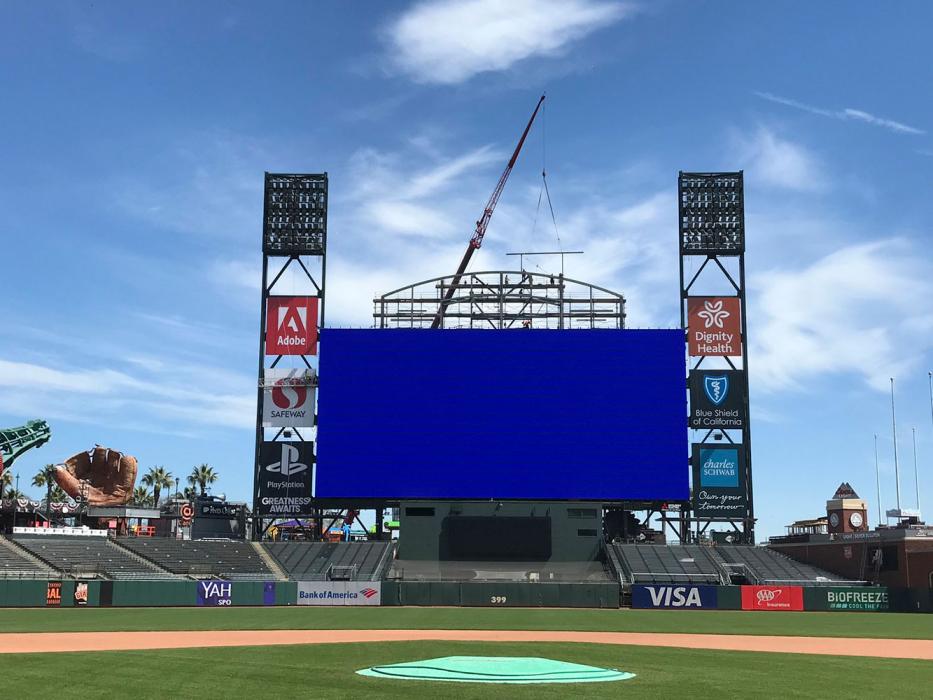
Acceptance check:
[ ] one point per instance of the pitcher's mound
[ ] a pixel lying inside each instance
(496, 669)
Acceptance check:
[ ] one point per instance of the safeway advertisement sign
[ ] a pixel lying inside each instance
(288, 398)
(714, 326)
(772, 598)
(291, 326)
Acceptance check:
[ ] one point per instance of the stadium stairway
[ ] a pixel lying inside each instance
(20, 562)
(270, 561)
(144, 563)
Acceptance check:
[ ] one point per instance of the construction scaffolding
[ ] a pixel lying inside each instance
(501, 299)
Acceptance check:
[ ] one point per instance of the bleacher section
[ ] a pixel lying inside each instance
(768, 566)
(320, 561)
(231, 560)
(88, 556)
(647, 563)
(13, 564)
(543, 572)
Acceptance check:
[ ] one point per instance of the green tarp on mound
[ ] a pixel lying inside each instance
(496, 669)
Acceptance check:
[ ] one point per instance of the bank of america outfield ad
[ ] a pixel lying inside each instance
(339, 593)
(687, 597)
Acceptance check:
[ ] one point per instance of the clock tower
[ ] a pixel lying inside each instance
(846, 511)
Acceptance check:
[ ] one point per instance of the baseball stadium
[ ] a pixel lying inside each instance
(518, 563)
(507, 485)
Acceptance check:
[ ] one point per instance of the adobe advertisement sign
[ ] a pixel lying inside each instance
(717, 399)
(215, 593)
(339, 593)
(285, 471)
(772, 598)
(718, 481)
(714, 326)
(291, 326)
(288, 398)
(688, 597)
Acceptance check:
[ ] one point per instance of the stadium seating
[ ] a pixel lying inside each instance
(543, 572)
(88, 556)
(319, 561)
(648, 563)
(767, 566)
(232, 560)
(14, 564)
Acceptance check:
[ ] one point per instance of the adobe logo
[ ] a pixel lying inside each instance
(291, 326)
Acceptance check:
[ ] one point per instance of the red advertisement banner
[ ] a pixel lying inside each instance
(291, 326)
(714, 326)
(772, 598)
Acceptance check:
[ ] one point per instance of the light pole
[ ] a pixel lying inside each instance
(897, 474)
(916, 473)
(16, 501)
(878, 479)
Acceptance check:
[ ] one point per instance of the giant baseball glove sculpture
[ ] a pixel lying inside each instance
(109, 476)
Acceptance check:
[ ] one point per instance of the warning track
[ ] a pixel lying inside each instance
(44, 642)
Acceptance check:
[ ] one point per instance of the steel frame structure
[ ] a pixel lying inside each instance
(712, 228)
(294, 237)
(501, 299)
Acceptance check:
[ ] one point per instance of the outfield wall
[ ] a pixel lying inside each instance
(65, 593)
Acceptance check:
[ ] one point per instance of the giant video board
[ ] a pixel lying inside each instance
(517, 414)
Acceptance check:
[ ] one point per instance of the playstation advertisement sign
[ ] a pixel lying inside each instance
(285, 476)
(717, 399)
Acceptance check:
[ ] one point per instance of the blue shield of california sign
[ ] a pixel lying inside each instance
(716, 388)
(717, 399)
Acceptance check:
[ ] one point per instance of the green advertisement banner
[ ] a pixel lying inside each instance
(866, 598)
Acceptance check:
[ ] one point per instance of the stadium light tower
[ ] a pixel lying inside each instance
(294, 235)
(712, 229)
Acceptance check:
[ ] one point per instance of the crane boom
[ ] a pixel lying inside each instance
(477, 239)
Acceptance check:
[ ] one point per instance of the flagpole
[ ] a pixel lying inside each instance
(878, 479)
(897, 474)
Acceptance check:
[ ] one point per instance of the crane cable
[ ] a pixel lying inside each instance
(544, 191)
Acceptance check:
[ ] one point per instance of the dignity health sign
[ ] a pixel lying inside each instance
(714, 326)
(339, 593)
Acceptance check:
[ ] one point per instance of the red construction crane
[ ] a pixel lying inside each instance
(477, 240)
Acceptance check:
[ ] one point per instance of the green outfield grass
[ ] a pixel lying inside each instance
(834, 624)
(328, 672)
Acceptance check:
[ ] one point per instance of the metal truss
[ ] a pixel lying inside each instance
(501, 299)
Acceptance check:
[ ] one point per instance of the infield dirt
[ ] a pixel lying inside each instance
(120, 641)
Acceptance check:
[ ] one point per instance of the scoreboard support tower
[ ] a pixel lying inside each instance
(294, 254)
(712, 275)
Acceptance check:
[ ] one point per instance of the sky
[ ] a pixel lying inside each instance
(134, 138)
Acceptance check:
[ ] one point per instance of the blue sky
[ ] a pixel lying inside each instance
(134, 138)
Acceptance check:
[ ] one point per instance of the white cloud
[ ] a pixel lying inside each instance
(164, 394)
(777, 162)
(852, 311)
(450, 41)
(845, 114)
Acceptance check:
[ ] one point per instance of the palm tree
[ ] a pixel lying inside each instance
(157, 478)
(140, 496)
(44, 478)
(202, 476)
(6, 481)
